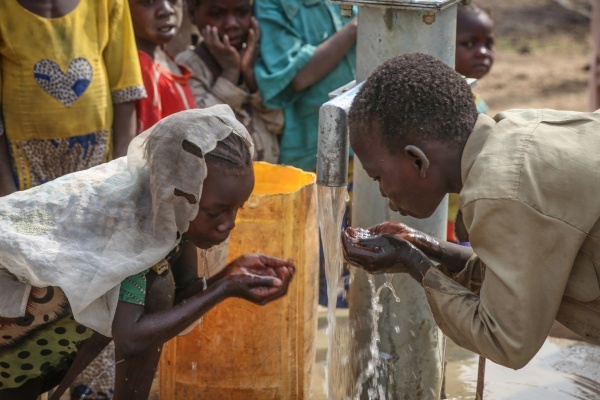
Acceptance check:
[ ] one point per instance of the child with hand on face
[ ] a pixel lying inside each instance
(474, 59)
(222, 66)
(155, 24)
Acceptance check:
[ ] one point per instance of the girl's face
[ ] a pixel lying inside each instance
(474, 45)
(230, 17)
(156, 22)
(222, 196)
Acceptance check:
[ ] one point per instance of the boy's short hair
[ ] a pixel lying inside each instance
(414, 98)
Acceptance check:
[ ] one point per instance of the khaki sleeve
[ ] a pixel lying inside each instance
(528, 257)
(207, 90)
(472, 275)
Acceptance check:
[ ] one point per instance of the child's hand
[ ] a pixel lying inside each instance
(398, 229)
(258, 278)
(226, 55)
(383, 254)
(394, 228)
(248, 54)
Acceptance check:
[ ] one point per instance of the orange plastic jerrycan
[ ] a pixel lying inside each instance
(242, 351)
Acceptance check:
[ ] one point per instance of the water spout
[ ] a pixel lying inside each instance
(333, 146)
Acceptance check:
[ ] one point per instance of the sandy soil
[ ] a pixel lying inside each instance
(542, 56)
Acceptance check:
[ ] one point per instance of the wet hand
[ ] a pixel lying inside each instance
(226, 55)
(259, 278)
(384, 253)
(419, 239)
(393, 228)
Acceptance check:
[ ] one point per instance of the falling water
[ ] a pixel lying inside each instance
(371, 376)
(332, 203)
(204, 270)
(340, 383)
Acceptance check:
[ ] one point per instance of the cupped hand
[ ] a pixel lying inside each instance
(383, 253)
(419, 239)
(259, 278)
(226, 55)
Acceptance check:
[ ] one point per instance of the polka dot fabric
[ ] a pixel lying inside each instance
(48, 348)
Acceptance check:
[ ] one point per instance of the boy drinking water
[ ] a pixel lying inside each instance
(528, 193)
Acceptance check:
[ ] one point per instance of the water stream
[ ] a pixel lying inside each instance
(332, 203)
(338, 372)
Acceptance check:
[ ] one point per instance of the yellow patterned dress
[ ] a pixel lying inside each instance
(59, 80)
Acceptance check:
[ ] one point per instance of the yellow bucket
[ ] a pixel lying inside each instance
(244, 351)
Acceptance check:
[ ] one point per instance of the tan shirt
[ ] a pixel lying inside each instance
(263, 124)
(531, 204)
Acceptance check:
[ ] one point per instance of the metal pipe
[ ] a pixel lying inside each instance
(333, 145)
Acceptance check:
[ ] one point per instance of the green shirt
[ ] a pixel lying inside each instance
(294, 29)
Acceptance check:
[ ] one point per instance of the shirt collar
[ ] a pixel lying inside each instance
(475, 142)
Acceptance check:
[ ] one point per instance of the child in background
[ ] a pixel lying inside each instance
(155, 24)
(67, 101)
(474, 59)
(474, 45)
(222, 67)
(310, 52)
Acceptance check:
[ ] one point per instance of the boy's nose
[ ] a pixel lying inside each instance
(165, 8)
(381, 191)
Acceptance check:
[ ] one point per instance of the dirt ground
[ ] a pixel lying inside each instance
(541, 57)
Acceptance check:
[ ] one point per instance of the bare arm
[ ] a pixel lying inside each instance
(256, 278)
(7, 184)
(325, 58)
(134, 331)
(124, 128)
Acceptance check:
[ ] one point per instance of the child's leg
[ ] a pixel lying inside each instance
(134, 376)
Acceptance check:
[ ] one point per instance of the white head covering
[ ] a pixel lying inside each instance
(87, 231)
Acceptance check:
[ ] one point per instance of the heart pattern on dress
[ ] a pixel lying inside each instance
(68, 87)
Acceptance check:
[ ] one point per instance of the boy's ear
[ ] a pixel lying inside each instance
(419, 159)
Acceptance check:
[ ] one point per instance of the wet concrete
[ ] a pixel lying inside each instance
(563, 369)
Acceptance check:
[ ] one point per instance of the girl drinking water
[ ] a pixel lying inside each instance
(110, 251)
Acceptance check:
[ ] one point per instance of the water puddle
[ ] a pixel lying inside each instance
(562, 370)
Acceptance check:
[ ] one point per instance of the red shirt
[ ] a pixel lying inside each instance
(168, 93)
